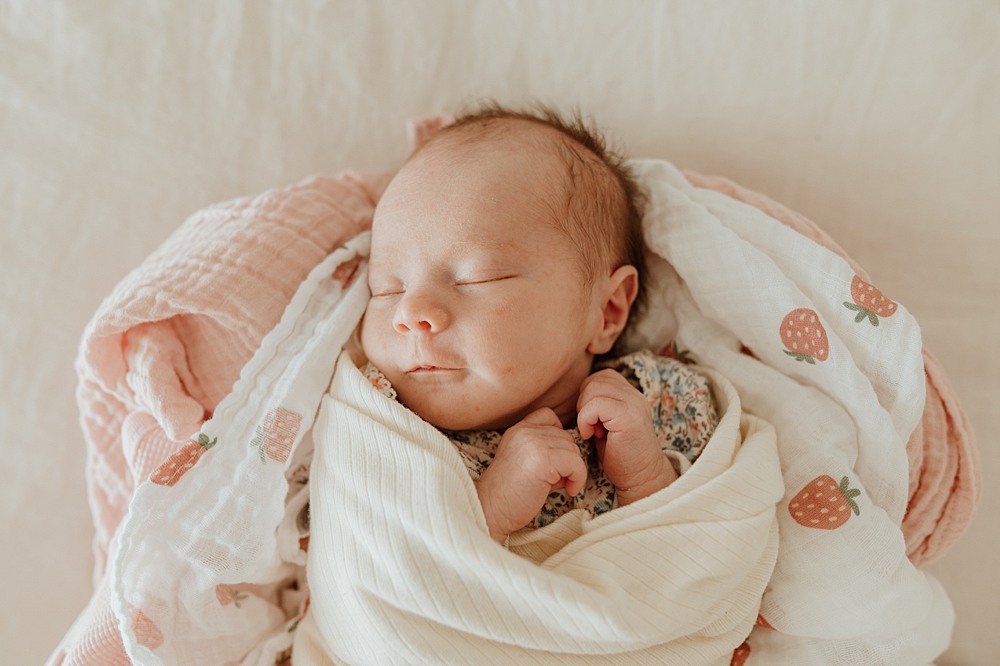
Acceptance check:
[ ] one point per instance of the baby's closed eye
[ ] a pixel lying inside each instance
(384, 290)
(483, 279)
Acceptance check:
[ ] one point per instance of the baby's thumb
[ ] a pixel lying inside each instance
(543, 416)
(573, 471)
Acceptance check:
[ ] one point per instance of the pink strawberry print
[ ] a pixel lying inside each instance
(824, 504)
(173, 468)
(869, 302)
(804, 337)
(740, 654)
(229, 594)
(146, 633)
(761, 622)
(276, 434)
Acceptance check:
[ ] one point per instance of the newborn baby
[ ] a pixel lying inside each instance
(506, 258)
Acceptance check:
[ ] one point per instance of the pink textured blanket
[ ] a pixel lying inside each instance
(168, 344)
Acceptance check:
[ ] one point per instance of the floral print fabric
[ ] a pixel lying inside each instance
(681, 406)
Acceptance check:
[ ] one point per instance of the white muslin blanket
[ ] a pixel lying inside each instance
(793, 510)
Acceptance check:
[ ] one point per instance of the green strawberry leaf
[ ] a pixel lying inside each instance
(257, 442)
(801, 357)
(849, 494)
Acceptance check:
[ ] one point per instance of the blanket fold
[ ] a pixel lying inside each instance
(402, 569)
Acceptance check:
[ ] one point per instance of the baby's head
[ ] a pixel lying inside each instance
(506, 255)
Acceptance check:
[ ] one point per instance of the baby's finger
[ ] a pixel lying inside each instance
(598, 414)
(588, 430)
(607, 376)
(588, 417)
(543, 416)
(589, 427)
(610, 385)
(596, 379)
(568, 470)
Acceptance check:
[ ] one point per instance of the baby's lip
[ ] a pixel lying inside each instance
(429, 368)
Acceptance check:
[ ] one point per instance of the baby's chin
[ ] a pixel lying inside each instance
(449, 415)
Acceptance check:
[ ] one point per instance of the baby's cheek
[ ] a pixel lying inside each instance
(373, 333)
(503, 357)
(366, 327)
(501, 309)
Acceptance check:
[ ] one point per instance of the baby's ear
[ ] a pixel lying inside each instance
(617, 293)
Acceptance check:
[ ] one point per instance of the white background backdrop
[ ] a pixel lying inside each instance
(878, 120)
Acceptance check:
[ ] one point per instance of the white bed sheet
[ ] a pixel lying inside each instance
(117, 119)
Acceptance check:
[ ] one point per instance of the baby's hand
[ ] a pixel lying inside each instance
(534, 457)
(619, 418)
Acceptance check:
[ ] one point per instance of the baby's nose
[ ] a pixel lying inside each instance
(420, 314)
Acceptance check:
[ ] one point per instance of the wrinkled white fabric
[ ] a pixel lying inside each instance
(402, 568)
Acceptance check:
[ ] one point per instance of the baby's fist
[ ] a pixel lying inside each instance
(535, 456)
(620, 419)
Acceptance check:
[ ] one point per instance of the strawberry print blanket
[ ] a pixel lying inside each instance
(214, 557)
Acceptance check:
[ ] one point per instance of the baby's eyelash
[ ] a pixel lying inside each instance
(462, 283)
(486, 280)
(377, 294)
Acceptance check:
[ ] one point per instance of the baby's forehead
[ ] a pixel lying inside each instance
(475, 194)
(520, 150)
(530, 140)
(552, 176)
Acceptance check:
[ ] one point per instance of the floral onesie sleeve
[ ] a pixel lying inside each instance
(681, 406)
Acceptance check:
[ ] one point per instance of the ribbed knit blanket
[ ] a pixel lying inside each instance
(402, 568)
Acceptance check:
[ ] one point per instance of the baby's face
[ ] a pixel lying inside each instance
(479, 311)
